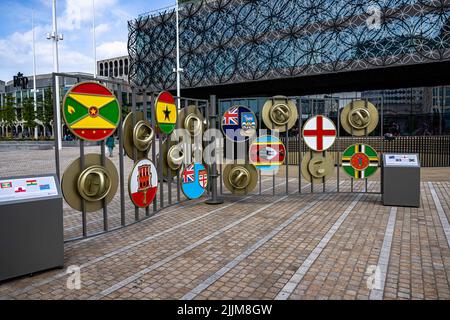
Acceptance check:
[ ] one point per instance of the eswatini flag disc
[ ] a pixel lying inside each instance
(91, 111)
(143, 183)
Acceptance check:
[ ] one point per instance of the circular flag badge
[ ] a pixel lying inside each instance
(319, 133)
(143, 183)
(91, 111)
(360, 161)
(194, 180)
(166, 112)
(238, 123)
(267, 153)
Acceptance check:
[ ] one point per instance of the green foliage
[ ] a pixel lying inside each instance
(29, 115)
(48, 106)
(9, 114)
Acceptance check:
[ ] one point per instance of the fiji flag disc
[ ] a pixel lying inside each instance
(194, 180)
(238, 123)
(143, 183)
(267, 153)
(166, 112)
(91, 111)
(360, 161)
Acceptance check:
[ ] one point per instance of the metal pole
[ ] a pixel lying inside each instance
(214, 175)
(34, 76)
(178, 69)
(94, 46)
(55, 38)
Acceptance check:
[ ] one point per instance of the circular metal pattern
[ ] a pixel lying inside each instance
(360, 161)
(169, 166)
(143, 183)
(166, 112)
(236, 41)
(192, 120)
(267, 153)
(238, 123)
(175, 157)
(240, 179)
(194, 180)
(279, 112)
(94, 184)
(139, 136)
(319, 133)
(359, 117)
(143, 135)
(317, 167)
(91, 111)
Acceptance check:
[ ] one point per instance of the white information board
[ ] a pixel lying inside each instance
(27, 188)
(401, 160)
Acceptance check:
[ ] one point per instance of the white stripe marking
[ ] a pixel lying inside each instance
(383, 260)
(441, 212)
(290, 286)
(130, 246)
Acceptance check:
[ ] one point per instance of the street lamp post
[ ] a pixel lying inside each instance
(34, 77)
(178, 69)
(55, 37)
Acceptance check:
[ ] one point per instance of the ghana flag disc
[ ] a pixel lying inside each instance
(360, 161)
(166, 112)
(91, 111)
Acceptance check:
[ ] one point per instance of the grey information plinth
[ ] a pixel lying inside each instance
(31, 225)
(400, 180)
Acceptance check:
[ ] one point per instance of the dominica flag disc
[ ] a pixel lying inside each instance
(166, 112)
(360, 161)
(91, 111)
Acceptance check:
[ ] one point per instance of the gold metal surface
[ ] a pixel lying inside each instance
(139, 136)
(93, 185)
(279, 112)
(240, 179)
(317, 168)
(191, 119)
(359, 117)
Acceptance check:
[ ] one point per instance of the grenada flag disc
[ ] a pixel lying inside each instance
(166, 112)
(360, 161)
(91, 111)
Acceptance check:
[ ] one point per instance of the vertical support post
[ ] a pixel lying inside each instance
(213, 175)
(299, 141)
(144, 110)
(121, 164)
(55, 128)
(153, 122)
(133, 110)
(83, 202)
(105, 205)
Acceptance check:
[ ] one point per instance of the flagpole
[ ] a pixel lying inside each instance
(55, 37)
(94, 46)
(34, 75)
(178, 70)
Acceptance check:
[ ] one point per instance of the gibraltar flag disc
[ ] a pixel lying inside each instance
(143, 183)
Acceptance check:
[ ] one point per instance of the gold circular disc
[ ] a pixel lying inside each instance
(93, 184)
(359, 116)
(191, 119)
(279, 112)
(131, 135)
(240, 179)
(317, 168)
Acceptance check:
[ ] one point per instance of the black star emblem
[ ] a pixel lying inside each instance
(167, 114)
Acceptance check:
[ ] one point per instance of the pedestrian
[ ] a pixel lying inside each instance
(110, 143)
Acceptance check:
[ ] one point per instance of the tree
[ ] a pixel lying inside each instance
(9, 114)
(48, 107)
(29, 115)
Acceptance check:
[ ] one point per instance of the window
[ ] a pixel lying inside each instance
(116, 69)
(121, 67)
(101, 69)
(126, 66)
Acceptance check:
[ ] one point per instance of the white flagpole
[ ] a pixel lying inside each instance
(56, 37)
(34, 76)
(178, 55)
(94, 46)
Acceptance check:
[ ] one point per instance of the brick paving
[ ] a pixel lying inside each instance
(296, 246)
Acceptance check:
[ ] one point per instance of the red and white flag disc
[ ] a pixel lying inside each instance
(319, 133)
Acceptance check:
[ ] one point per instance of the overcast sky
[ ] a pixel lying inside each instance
(75, 23)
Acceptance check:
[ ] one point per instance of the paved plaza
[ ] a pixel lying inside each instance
(260, 246)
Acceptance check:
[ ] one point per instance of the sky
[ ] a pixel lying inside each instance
(75, 23)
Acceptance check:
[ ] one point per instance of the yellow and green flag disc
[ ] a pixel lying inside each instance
(166, 112)
(360, 161)
(91, 111)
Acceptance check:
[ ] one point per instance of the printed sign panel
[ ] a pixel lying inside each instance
(27, 188)
(401, 160)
